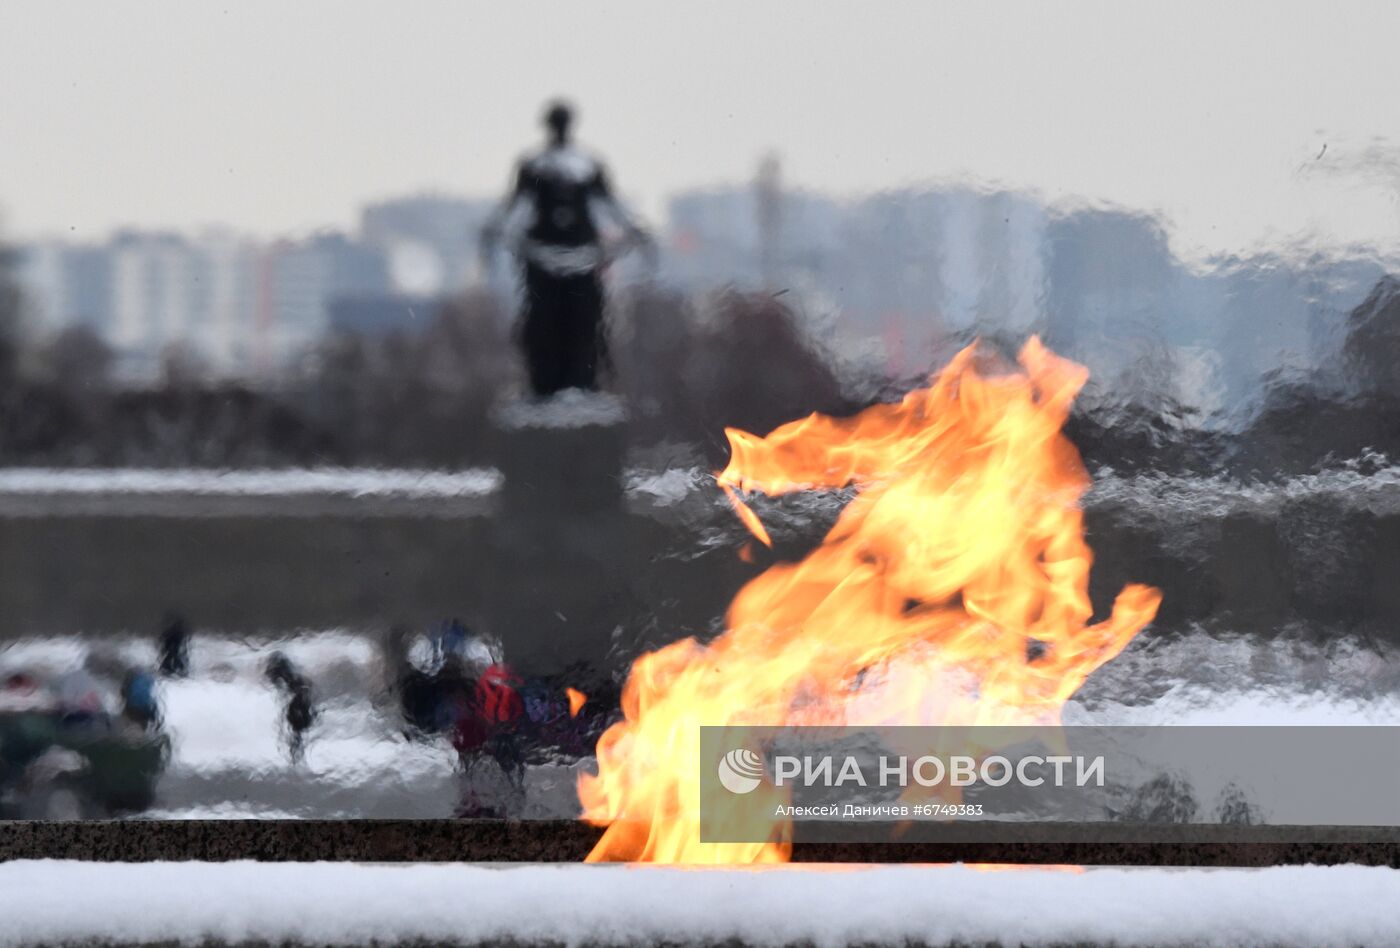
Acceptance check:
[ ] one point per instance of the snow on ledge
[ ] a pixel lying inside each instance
(56, 902)
(338, 481)
(570, 408)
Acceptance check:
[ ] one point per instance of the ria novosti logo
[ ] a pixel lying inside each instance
(740, 771)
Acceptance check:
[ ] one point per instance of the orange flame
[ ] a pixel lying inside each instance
(746, 514)
(952, 590)
(577, 699)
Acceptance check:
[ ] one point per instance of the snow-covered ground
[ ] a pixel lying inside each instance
(229, 759)
(55, 902)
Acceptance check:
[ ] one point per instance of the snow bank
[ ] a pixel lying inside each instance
(352, 482)
(341, 904)
(669, 487)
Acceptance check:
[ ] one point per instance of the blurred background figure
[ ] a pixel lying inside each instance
(299, 712)
(487, 722)
(81, 698)
(431, 677)
(175, 647)
(21, 691)
(23, 702)
(562, 253)
(416, 690)
(453, 638)
(65, 753)
(139, 703)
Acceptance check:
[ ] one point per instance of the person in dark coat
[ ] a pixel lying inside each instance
(299, 712)
(175, 648)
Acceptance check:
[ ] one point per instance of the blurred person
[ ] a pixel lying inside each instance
(300, 710)
(562, 255)
(21, 692)
(542, 705)
(81, 698)
(489, 725)
(499, 704)
(139, 703)
(452, 638)
(27, 723)
(453, 687)
(547, 724)
(63, 755)
(430, 689)
(407, 685)
(419, 701)
(175, 647)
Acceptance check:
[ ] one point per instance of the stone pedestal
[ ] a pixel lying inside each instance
(557, 568)
(561, 456)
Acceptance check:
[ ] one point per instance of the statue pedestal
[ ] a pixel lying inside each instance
(560, 456)
(558, 564)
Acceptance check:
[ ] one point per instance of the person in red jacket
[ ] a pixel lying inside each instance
(488, 725)
(498, 695)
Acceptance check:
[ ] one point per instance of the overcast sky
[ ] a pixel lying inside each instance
(285, 116)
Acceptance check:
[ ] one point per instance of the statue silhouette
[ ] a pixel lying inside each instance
(562, 253)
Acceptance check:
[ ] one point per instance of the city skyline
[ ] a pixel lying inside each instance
(886, 281)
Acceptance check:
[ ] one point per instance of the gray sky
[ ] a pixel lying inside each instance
(284, 116)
